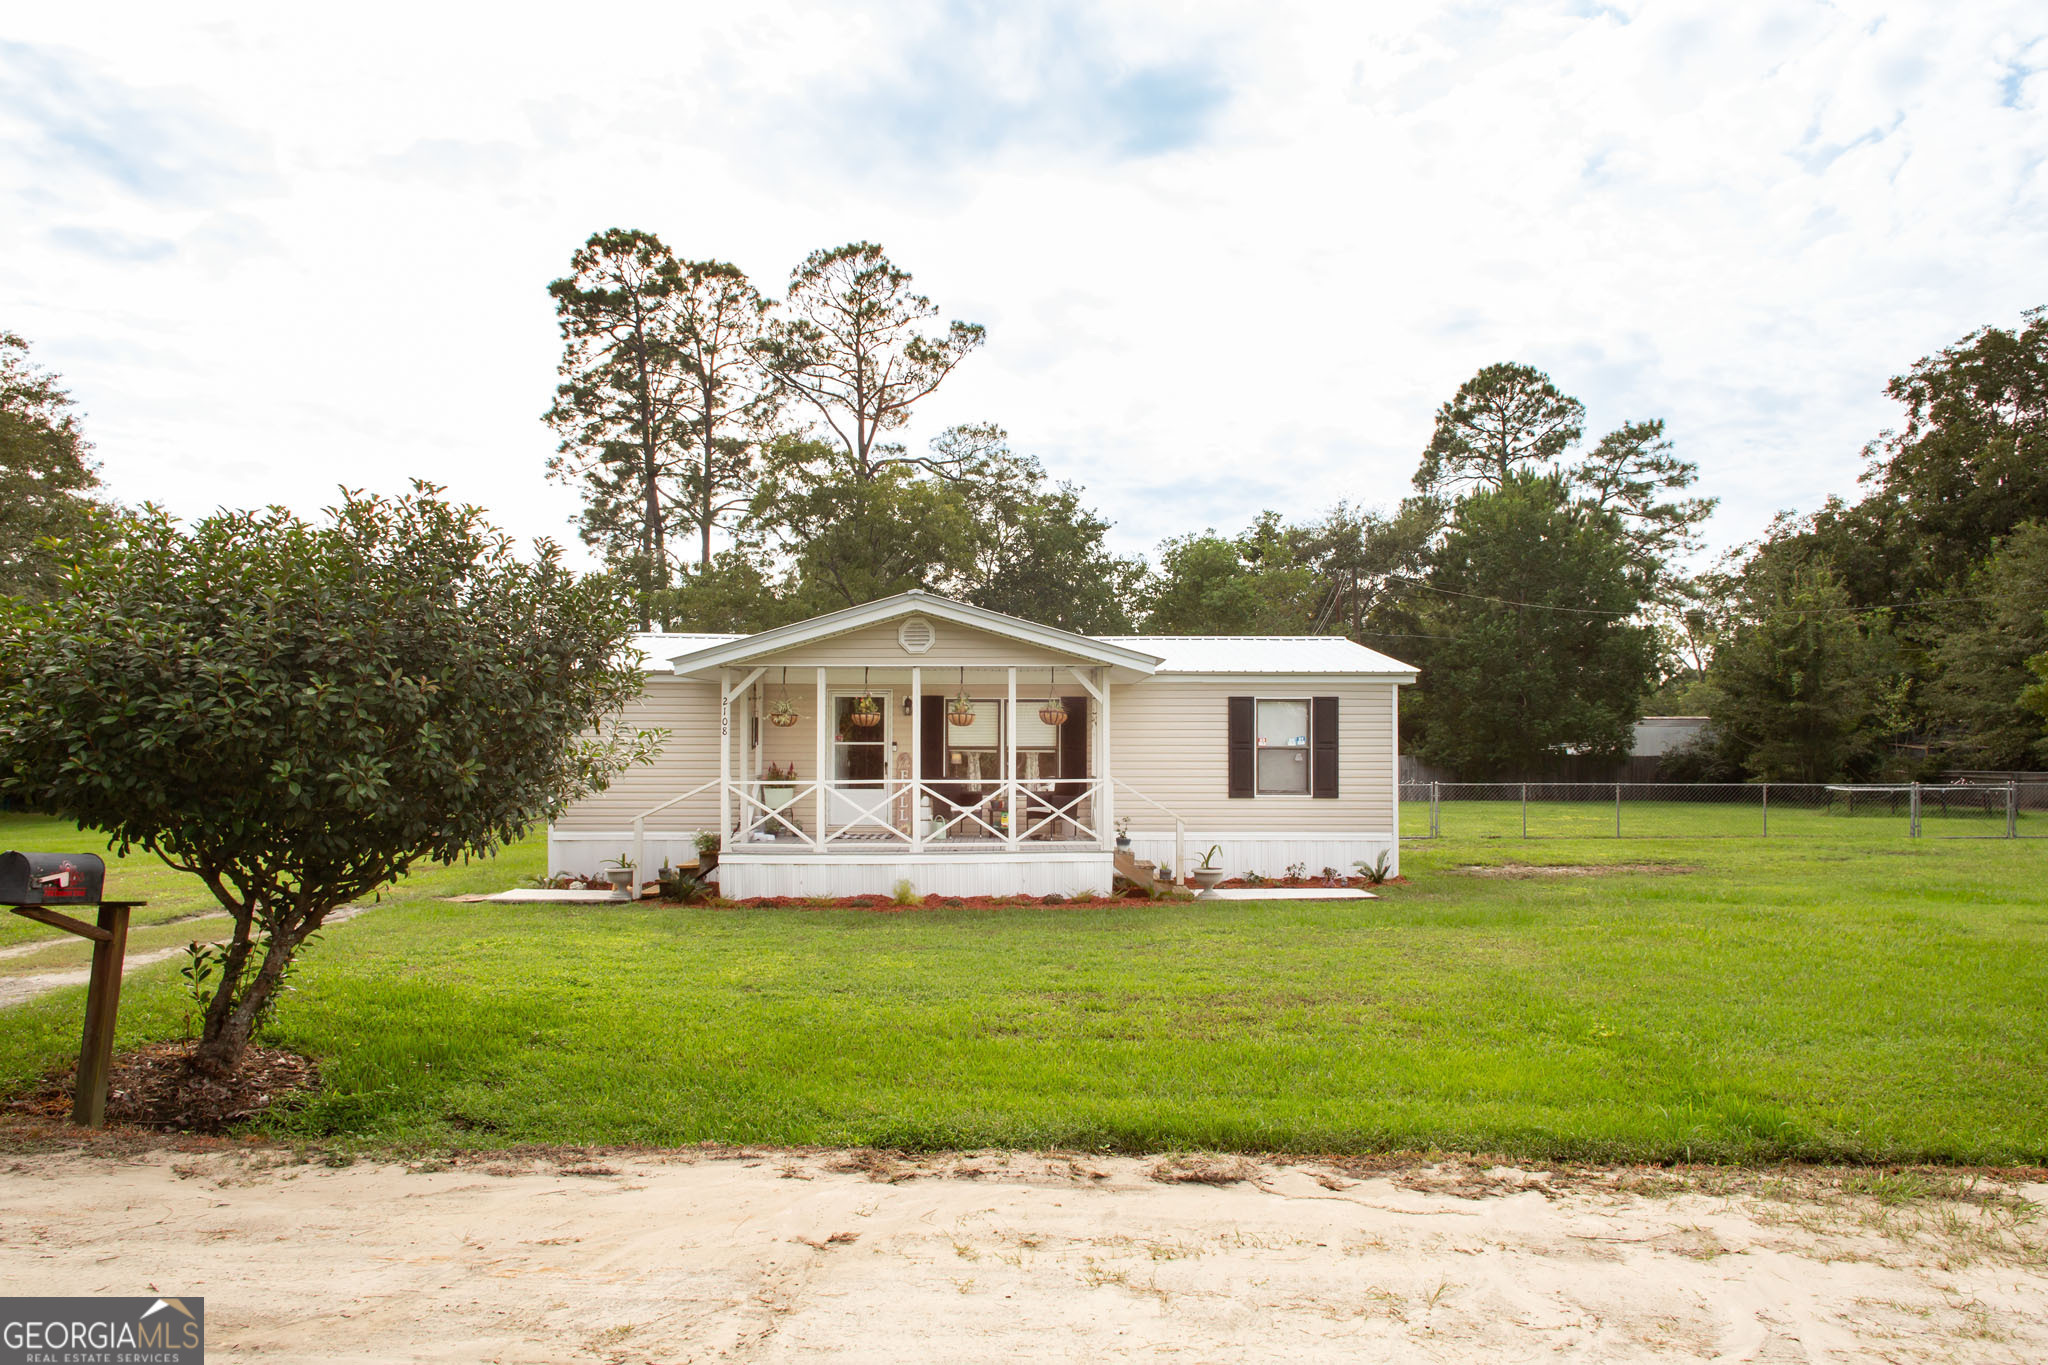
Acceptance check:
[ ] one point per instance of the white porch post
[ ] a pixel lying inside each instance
(1108, 816)
(724, 755)
(916, 759)
(822, 758)
(1010, 759)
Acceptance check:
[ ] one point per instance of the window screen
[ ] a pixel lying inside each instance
(1283, 747)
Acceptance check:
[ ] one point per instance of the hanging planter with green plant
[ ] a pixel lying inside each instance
(1053, 710)
(782, 712)
(960, 710)
(867, 712)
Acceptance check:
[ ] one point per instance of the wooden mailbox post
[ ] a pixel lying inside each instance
(32, 885)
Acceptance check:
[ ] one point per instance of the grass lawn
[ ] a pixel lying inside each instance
(1839, 996)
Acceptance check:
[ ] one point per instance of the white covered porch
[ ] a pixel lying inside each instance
(917, 740)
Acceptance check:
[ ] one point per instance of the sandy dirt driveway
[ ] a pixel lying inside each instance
(769, 1256)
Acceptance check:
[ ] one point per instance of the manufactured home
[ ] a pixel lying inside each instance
(972, 753)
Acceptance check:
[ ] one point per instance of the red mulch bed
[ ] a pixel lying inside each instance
(156, 1087)
(887, 905)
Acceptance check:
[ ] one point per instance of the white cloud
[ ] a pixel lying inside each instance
(1228, 257)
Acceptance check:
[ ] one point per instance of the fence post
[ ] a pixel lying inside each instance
(1767, 810)
(2012, 810)
(1434, 827)
(1914, 823)
(1617, 810)
(1525, 810)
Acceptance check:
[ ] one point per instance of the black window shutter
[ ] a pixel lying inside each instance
(1074, 739)
(934, 722)
(1244, 760)
(1322, 729)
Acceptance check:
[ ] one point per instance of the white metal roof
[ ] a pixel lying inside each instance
(658, 647)
(1224, 654)
(716, 652)
(1264, 654)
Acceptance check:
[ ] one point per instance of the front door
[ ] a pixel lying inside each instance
(860, 761)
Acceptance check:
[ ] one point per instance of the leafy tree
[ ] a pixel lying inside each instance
(851, 540)
(619, 409)
(1799, 686)
(1971, 462)
(854, 347)
(1209, 585)
(298, 713)
(736, 593)
(1507, 419)
(1633, 473)
(46, 474)
(725, 398)
(1033, 549)
(1536, 650)
(2035, 697)
(1974, 699)
(1510, 419)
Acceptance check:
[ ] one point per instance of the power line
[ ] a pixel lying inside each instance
(1596, 611)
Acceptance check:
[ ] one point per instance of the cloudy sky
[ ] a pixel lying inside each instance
(1228, 257)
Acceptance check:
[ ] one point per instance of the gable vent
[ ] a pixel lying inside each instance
(915, 635)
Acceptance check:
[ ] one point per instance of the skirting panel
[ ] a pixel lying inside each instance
(796, 874)
(583, 854)
(1272, 854)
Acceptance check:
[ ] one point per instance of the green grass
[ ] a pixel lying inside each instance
(1844, 998)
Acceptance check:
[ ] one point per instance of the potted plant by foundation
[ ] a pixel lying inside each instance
(1207, 874)
(619, 872)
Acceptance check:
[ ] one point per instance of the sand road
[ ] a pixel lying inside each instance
(771, 1256)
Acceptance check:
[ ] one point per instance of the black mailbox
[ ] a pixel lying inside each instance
(51, 878)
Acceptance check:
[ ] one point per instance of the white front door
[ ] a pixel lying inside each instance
(860, 761)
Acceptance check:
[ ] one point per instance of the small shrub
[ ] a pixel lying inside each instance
(903, 893)
(1085, 897)
(1257, 879)
(1332, 876)
(1054, 899)
(1377, 871)
(1297, 872)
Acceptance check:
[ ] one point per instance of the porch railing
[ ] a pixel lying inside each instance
(915, 814)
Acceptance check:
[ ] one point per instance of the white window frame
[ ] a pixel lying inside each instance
(1308, 751)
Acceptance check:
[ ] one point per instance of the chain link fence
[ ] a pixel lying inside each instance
(1556, 810)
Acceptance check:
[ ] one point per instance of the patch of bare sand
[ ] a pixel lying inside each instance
(1565, 869)
(774, 1255)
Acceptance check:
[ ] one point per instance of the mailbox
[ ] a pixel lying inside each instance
(51, 878)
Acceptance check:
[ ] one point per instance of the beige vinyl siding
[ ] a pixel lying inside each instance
(689, 712)
(953, 646)
(1168, 740)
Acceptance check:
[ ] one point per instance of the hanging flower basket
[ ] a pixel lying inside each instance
(783, 714)
(1053, 712)
(960, 710)
(867, 712)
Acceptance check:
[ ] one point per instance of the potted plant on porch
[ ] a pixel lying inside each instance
(707, 852)
(1123, 834)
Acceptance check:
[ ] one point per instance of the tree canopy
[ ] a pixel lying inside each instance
(1534, 646)
(47, 477)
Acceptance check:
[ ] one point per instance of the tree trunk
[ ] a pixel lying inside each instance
(230, 1022)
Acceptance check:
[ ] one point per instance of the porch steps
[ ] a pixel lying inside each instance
(1139, 871)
